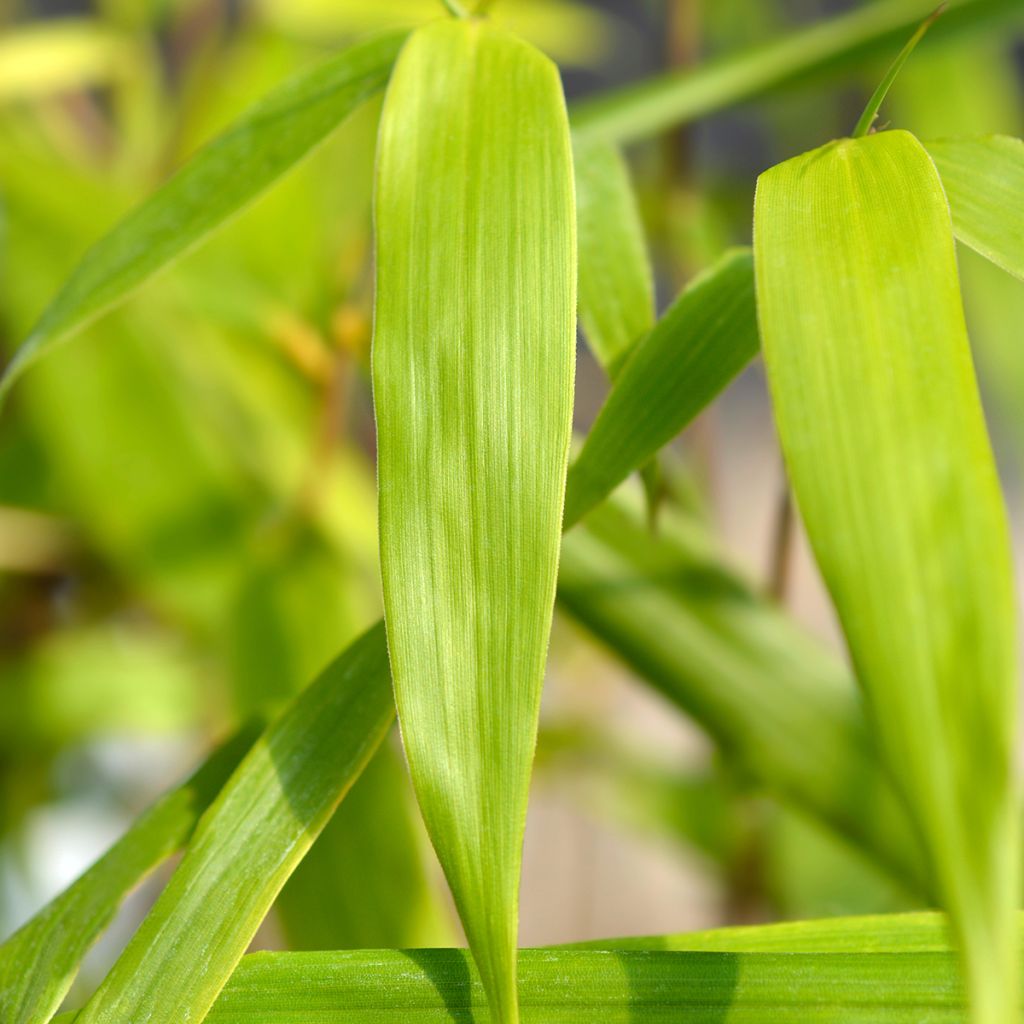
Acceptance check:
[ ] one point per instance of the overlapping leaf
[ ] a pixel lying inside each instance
(439, 986)
(984, 181)
(696, 349)
(879, 418)
(39, 962)
(247, 844)
(473, 359)
(616, 282)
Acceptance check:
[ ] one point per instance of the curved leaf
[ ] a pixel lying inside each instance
(248, 842)
(984, 181)
(218, 182)
(694, 351)
(473, 358)
(879, 417)
(39, 962)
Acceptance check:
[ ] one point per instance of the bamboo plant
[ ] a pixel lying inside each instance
(500, 213)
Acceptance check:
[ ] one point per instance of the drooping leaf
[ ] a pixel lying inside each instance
(784, 711)
(473, 391)
(616, 282)
(219, 181)
(654, 105)
(39, 962)
(984, 182)
(694, 351)
(248, 842)
(879, 417)
(439, 986)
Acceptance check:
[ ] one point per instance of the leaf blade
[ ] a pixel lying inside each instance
(890, 462)
(706, 337)
(984, 182)
(39, 962)
(266, 818)
(473, 398)
(266, 141)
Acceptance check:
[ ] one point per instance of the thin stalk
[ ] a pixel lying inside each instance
(867, 119)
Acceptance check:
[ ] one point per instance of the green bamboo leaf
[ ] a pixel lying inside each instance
(616, 282)
(879, 417)
(248, 842)
(473, 391)
(918, 932)
(659, 103)
(696, 349)
(984, 182)
(785, 711)
(439, 986)
(39, 962)
(218, 182)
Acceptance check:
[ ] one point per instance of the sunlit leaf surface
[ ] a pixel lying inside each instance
(473, 359)
(984, 181)
(878, 413)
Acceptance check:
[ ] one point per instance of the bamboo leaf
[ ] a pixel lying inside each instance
(248, 842)
(694, 351)
(652, 106)
(473, 391)
(786, 713)
(218, 182)
(919, 932)
(439, 986)
(984, 182)
(616, 282)
(879, 418)
(39, 962)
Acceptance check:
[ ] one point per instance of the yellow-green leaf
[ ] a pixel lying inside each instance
(39, 962)
(473, 363)
(878, 413)
(694, 351)
(616, 282)
(984, 180)
(248, 843)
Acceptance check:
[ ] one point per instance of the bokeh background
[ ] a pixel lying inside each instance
(187, 504)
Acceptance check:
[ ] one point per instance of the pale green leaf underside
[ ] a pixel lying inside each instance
(219, 181)
(616, 282)
(39, 962)
(694, 351)
(878, 413)
(248, 842)
(984, 181)
(473, 360)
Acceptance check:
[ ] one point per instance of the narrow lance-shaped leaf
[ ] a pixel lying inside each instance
(439, 986)
(39, 962)
(616, 282)
(247, 844)
(694, 351)
(984, 181)
(219, 181)
(879, 417)
(473, 375)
